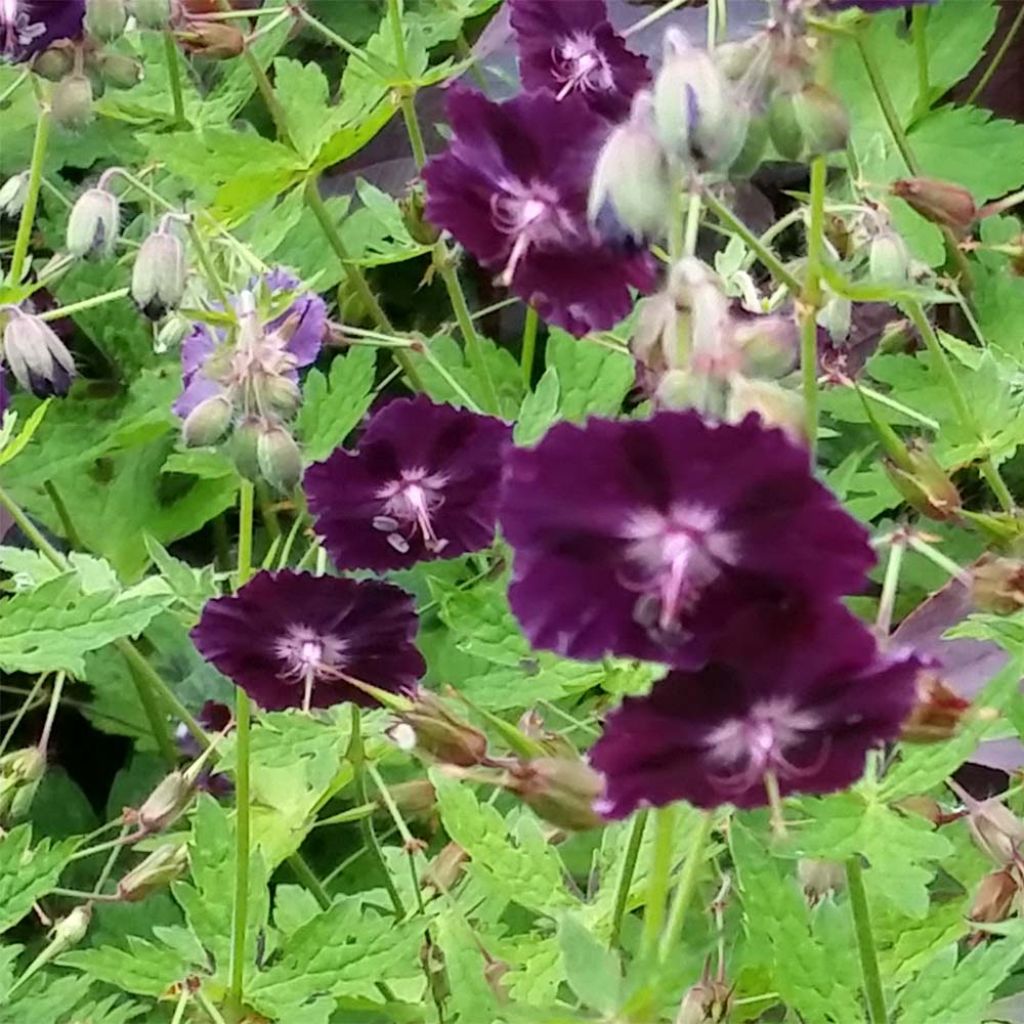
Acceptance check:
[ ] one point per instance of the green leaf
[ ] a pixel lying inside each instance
(302, 90)
(957, 34)
(376, 233)
(592, 970)
(10, 448)
(593, 379)
(193, 587)
(144, 968)
(539, 410)
(46, 999)
(333, 405)
(28, 873)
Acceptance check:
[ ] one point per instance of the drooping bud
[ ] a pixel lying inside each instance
(70, 930)
(154, 14)
(105, 19)
(213, 40)
(71, 102)
(208, 422)
(445, 869)
(159, 274)
(996, 829)
(995, 896)
(160, 868)
(279, 458)
(777, 406)
(436, 732)
(783, 126)
(888, 259)
(941, 202)
(819, 878)
(836, 317)
(119, 71)
(38, 359)
(707, 1002)
(13, 193)
(93, 224)
(630, 194)
(164, 805)
(281, 394)
(769, 343)
(699, 116)
(924, 484)
(562, 791)
(997, 584)
(56, 62)
(243, 447)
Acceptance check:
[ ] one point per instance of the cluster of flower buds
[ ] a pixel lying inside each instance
(94, 222)
(38, 359)
(20, 774)
(160, 271)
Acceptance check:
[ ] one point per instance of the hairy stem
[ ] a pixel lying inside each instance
(865, 942)
(28, 211)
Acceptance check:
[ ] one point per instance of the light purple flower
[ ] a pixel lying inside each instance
(647, 538)
(422, 484)
(570, 47)
(289, 639)
(28, 27)
(805, 706)
(206, 361)
(512, 187)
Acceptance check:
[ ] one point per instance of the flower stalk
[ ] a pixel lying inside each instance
(660, 878)
(810, 301)
(530, 327)
(873, 992)
(28, 211)
(174, 77)
(625, 882)
(687, 888)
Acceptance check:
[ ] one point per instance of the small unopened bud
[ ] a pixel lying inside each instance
(415, 797)
(279, 459)
(413, 206)
(888, 259)
(784, 128)
(445, 869)
(941, 202)
(936, 714)
(823, 120)
(769, 343)
(71, 102)
(55, 63)
(752, 152)
(630, 193)
(924, 484)
(819, 878)
(777, 406)
(439, 734)
(93, 224)
(707, 1002)
(995, 896)
(20, 774)
(38, 359)
(160, 868)
(213, 40)
(243, 447)
(119, 71)
(280, 394)
(105, 19)
(13, 193)
(70, 930)
(164, 805)
(155, 14)
(997, 584)
(562, 791)
(997, 830)
(159, 274)
(208, 422)
(698, 114)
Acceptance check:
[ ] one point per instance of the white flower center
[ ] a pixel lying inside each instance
(531, 215)
(580, 64)
(307, 656)
(409, 503)
(17, 29)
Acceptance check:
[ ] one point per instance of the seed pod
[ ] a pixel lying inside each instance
(213, 40)
(997, 584)
(562, 791)
(996, 893)
(208, 422)
(439, 734)
(159, 274)
(71, 102)
(56, 62)
(160, 868)
(164, 805)
(154, 14)
(119, 71)
(38, 359)
(93, 224)
(279, 459)
(105, 20)
(924, 484)
(941, 202)
(823, 120)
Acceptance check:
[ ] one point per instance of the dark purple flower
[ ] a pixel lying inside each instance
(512, 188)
(570, 47)
(422, 484)
(646, 538)
(28, 27)
(805, 707)
(206, 364)
(289, 639)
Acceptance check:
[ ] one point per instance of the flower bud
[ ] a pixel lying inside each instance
(888, 259)
(819, 878)
(562, 791)
(415, 797)
(243, 447)
(752, 152)
(160, 868)
(93, 224)
(159, 273)
(155, 14)
(164, 805)
(769, 343)
(836, 317)
(923, 483)
(279, 459)
(36, 356)
(823, 120)
(995, 896)
(996, 830)
(413, 206)
(13, 193)
(630, 194)
(20, 774)
(777, 406)
(105, 20)
(119, 71)
(439, 734)
(937, 712)
(941, 202)
(214, 40)
(997, 584)
(280, 394)
(445, 869)
(71, 102)
(698, 115)
(56, 62)
(208, 422)
(784, 128)
(70, 930)
(707, 1002)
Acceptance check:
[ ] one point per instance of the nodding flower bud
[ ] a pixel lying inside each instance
(888, 259)
(995, 896)
(160, 868)
(941, 202)
(997, 584)
(937, 712)
(818, 878)
(698, 113)
(777, 406)
(159, 274)
(55, 63)
(823, 120)
(923, 483)
(243, 447)
(13, 193)
(769, 343)
(93, 224)
(155, 14)
(105, 20)
(119, 71)
(279, 458)
(560, 790)
(70, 930)
(164, 805)
(430, 728)
(208, 422)
(37, 357)
(71, 102)
(630, 194)
(213, 40)
(280, 393)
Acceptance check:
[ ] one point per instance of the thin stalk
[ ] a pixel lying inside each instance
(266, 90)
(304, 873)
(1011, 34)
(182, 1005)
(408, 841)
(659, 879)
(28, 211)
(209, 1009)
(158, 725)
(687, 886)
(890, 584)
(692, 229)
(174, 77)
(865, 942)
(14, 87)
(90, 303)
(442, 371)
(246, 505)
(376, 64)
(108, 866)
(654, 16)
(529, 344)
(936, 557)
(625, 882)
(21, 712)
(212, 277)
(63, 514)
(28, 528)
(810, 300)
(919, 33)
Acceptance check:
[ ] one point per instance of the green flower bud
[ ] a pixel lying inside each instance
(155, 14)
(70, 930)
(105, 20)
(160, 868)
(13, 193)
(71, 102)
(281, 394)
(244, 443)
(55, 63)
(93, 224)
(20, 774)
(888, 259)
(279, 459)
(754, 145)
(562, 791)
(784, 128)
(208, 422)
(164, 805)
(923, 483)
(159, 274)
(119, 71)
(412, 205)
(823, 120)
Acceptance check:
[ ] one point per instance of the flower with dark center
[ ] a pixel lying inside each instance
(518, 202)
(800, 709)
(647, 538)
(422, 484)
(570, 47)
(28, 27)
(291, 640)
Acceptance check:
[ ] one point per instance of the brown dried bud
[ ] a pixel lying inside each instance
(941, 202)
(995, 896)
(562, 791)
(924, 484)
(997, 584)
(445, 869)
(707, 1002)
(430, 728)
(818, 878)
(214, 40)
(996, 830)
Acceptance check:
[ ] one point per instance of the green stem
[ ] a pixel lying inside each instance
(529, 344)
(1004, 48)
(811, 301)
(919, 32)
(90, 303)
(963, 410)
(650, 19)
(28, 528)
(246, 506)
(659, 879)
(28, 211)
(890, 584)
(865, 942)
(692, 222)
(14, 87)
(378, 66)
(625, 882)
(66, 522)
(212, 277)
(51, 712)
(687, 887)
(675, 218)
(266, 90)
(174, 77)
(21, 712)
(304, 873)
(158, 724)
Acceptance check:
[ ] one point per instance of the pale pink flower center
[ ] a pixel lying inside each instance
(409, 504)
(531, 216)
(580, 64)
(16, 26)
(308, 656)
